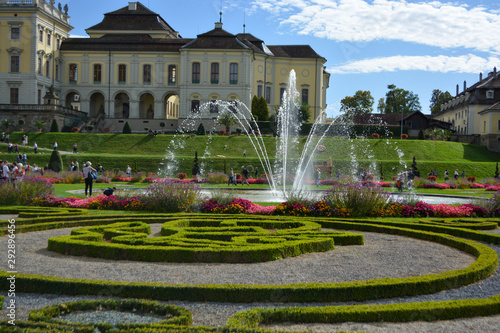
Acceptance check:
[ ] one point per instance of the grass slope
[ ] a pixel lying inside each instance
(144, 152)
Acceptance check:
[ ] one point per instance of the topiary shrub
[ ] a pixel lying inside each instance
(55, 163)
(54, 127)
(126, 128)
(200, 130)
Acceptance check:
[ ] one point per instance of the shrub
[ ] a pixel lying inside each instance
(126, 128)
(200, 130)
(25, 191)
(404, 136)
(75, 129)
(181, 175)
(217, 178)
(54, 127)
(375, 135)
(432, 179)
(138, 177)
(106, 130)
(55, 162)
(71, 177)
(471, 179)
(171, 196)
(356, 199)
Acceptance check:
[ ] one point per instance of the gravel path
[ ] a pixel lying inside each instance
(381, 256)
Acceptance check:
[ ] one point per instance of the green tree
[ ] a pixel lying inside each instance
(381, 105)
(227, 120)
(255, 106)
(361, 102)
(304, 113)
(438, 98)
(6, 123)
(54, 127)
(126, 128)
(399, 101)
(39, 124)
(55, 162)
(200, 130)
(262, 109)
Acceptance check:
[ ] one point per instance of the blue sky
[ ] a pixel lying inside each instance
(416, 45)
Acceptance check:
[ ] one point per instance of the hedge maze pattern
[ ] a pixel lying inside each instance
(198, 239)
(241, 238)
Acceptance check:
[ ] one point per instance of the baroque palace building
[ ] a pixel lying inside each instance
(135, 67)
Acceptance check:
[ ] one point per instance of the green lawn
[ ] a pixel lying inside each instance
(219, 153)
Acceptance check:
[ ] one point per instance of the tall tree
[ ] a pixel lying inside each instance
(398, 100)
(361, 102)
(304, 113)
(439, 98)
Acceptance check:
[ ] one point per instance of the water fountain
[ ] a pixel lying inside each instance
(291, 161)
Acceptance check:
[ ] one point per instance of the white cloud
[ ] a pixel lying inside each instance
(462, 64)
(434, 23)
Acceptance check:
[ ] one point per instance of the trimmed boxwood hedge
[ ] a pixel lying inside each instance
(397, 312)
(53, 313)
(485, 265)
(202, 240)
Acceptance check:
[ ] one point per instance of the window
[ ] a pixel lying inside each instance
(498, 125)
(97, 73)
(40, 36)
(305, 96)
(195, 106)
(490, 94)
(214, 107)
(15, 33)
(40, 66)
(268, 95)
(146, 74)
(73, 73)
(259, 91)
(195, 70)
(14, 95)
(484, 127)
(233, 73)
(214, 73)
(58, 43)
(57, 72)
(39, 96)
(15, 66)
(172, 74)
(122, 74)
(282, 93)
(47, 68)
(48, 38)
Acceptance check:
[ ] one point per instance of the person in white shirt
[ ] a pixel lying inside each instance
(87, 170)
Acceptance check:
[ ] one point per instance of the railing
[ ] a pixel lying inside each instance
(41, 108)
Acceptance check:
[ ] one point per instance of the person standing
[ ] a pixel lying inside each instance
(87, 172)
(317, 175)
(456, 174)
(35, 148)
(75, 148)
(244, 175)
(55, 145)
(446, 175)
(338, 174)
(244, 153)
(256, 173)
(128, 171)
(463, 174)
(231, 179)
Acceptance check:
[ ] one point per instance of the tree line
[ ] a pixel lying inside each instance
(397, 100)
